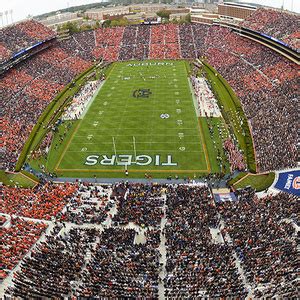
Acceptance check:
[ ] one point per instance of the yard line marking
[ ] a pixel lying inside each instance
(125, 142)
(149, 151)
(131, 129)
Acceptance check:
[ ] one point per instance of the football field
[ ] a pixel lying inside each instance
(143, 119)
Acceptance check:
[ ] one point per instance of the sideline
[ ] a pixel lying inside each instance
(92, 99)
(80, 120)
(130, 180)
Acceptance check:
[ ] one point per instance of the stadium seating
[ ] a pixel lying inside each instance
(108, 42)
(129, 41)
(106, 241)
(263, 97)
(193, 257)
(258, 68)
(27, 89)
(22, 35)
(142, 43)
(265, 243)
(42, 202)
(16, 241)
(281, 25)
(187, 44)
(203, 240)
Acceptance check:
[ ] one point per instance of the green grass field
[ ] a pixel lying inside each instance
(259, 182)
(143, 119)
(17, 179)
(124, 124)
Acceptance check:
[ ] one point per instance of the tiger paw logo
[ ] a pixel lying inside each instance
(142, 93)
(296, 183)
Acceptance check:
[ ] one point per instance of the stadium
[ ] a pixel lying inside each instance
(151, 161)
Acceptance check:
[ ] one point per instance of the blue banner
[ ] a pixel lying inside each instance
(27, 49)
(289, 182)
(274, 39)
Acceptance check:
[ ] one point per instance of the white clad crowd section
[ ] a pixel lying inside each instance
(206, 102)
(81, 100)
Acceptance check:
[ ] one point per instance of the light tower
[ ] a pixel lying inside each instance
(6, 14)
(11, 17)
(1, 16)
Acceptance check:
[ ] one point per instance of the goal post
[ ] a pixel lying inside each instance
(115, 150)
(134, 148)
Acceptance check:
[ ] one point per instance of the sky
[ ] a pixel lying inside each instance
(287, 4)
(22, 8)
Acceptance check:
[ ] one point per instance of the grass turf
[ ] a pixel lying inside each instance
(259, 182)
(117, 117)
(115, 114)
(16, 179)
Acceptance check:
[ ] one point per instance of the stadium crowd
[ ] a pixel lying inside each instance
(42, 202)
(108, 43)
(279, 24)
(26, 91)
(117, 251)
(196, 265)
(141, 205)
(203, 242)
(265, 239)
(90, 204)
(53, 265)
(251, 69)
(105, 261)
(266, 98)
(186, 38)
(16, 240)
(22, 35)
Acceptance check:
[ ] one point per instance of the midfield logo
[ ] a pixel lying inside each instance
(141, 93)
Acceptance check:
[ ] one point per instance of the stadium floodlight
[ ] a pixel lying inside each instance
(6, 14)
(11, 13)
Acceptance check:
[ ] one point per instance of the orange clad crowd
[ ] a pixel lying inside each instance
(280, 24)
(43, 202)
(16, 240)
